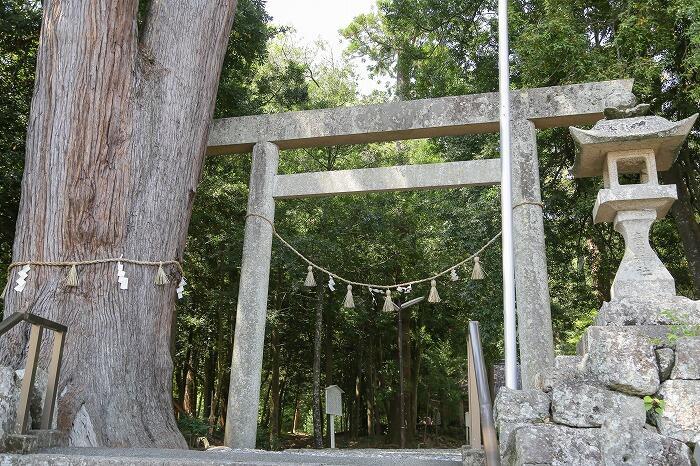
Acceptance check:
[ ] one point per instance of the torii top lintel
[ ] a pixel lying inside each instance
(547, 107)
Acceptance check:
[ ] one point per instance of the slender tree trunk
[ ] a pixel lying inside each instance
(317, 413)
(372, 418)
(688, 227)
(275, 443)
(115, 144)
(209, 377)
(328, 364)
(356, 404)
(297, 415)
(415, 378)
(190, 404)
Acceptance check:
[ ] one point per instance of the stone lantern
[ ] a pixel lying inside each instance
(629, 153)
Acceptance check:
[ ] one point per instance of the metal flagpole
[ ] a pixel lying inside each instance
(506, 198)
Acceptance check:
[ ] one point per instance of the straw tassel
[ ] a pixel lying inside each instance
(310, 280)
(349, 301)
(433, 297)
(72, 278)
(478, 272)
(161, 278)
(388, 304)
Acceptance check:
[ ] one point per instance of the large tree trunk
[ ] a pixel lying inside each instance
(115, 145)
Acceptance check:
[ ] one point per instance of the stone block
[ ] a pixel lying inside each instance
(554, 445)
(36, 403)
(687, 364)
(36, 440)
(661, 336)
(566, 369)
(620, 360)
(9, 398)
(665, 358)
(505, 435)
(473, 457)
(583, 405)
(666, 310)
(521, 406)
(624, 442)
(680, 418)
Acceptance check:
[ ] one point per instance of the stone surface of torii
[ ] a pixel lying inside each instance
(448, 116)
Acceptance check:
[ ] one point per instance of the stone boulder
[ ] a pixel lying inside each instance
(554, 445)
(567, 369)
(625, 442)
(680, 418)
(621, 360)
(687, 364)
(517, 408)
(10, 388)
(9, 397)
(521, 406)
(662, 310)
(665, 358)
(583, 405)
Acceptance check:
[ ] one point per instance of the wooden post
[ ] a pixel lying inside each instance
(331, 427)
(28, 381)
(52, 387)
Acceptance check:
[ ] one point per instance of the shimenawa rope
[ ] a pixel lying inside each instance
(372, 285)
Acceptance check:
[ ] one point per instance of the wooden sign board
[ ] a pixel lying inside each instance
(334, 402)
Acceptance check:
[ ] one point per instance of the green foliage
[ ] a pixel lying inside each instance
(19, 37)
(193, 429)
(654, 405)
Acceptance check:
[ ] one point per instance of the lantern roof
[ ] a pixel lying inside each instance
(664, 137)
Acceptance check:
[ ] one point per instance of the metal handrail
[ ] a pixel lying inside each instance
(483, 424)
(38, 326)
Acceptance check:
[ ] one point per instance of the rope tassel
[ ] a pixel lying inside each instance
(161, 277)
(388, 304)
(478, 272)
(349, 301)
(72, 278)
(310, 280)
(433, 297)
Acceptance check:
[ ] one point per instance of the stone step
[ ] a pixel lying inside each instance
(226, 456)
(35, 440)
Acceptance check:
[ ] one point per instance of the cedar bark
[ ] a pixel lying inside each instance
(115, 144)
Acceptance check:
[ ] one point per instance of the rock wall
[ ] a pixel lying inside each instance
(10, 387)
(591, 410)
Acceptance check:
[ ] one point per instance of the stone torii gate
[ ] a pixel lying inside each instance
(265, 135)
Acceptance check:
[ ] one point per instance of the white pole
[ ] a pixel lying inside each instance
(506, 198)
(331, 426)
